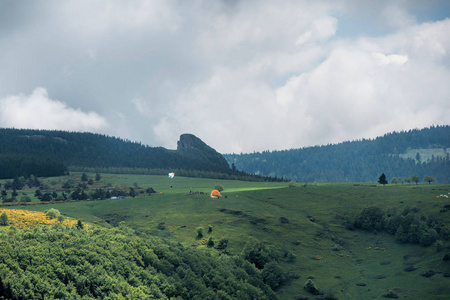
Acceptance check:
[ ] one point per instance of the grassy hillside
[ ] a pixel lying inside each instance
(304, 225)
(426, 155)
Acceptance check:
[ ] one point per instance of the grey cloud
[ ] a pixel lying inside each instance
(241, 75)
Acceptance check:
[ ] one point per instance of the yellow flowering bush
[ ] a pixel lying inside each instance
(25, 219)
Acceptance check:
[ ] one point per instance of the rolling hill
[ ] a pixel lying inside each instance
(90, 150)
(266, 238)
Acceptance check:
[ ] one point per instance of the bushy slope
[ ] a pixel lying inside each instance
(71, 263)
(357, 161)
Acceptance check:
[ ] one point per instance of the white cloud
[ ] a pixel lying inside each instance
(393, 59)
(241, 75)
(357, 93)
(38, 111)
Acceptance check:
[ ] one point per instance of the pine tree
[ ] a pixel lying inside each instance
(382, 179)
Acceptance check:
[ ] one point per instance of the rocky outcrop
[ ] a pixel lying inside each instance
(195, 148)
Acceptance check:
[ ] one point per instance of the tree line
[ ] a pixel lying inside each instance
(356, 161)
(400, 180)
(22, 165)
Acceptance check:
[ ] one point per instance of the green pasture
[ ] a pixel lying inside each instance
(307, 221)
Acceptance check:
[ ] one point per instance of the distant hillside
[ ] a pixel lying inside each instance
(397, 154)
(101, 151)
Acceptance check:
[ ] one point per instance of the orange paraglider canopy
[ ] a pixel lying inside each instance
(215, 194)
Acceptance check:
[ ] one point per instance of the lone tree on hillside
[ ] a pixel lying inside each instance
(4, 219)
(415, 178)
(382, 179)
(429, 179)
(52, 213)
(84, 177)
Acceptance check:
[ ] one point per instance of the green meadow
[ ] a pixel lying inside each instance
(306, 224)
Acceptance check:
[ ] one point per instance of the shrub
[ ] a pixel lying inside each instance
(210, 228)
(428, 273)
(258, 253)
(284, 220)
(390, 294)
(199, 232)
(84, 177)
(61, 218)
(68, 184)
(310, 287)
(210, 242)
(4, 219)
(330, 296)
(150, 190)
(52, 213)
(25, 199)
(292, 184)
(80, 224)
(272, 274)
(222, 244)
(219, 188)
(427, 237)
(370, 218)
(409, 268)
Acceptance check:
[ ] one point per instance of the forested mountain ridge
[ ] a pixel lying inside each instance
(101, 151)
(356, 161)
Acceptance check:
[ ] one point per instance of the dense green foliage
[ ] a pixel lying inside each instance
(72, 263)
(16, 165)
(408, 226)
(357, 161)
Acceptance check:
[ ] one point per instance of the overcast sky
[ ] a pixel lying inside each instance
(242, 76)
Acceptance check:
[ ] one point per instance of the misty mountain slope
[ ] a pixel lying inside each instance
(357, 161)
